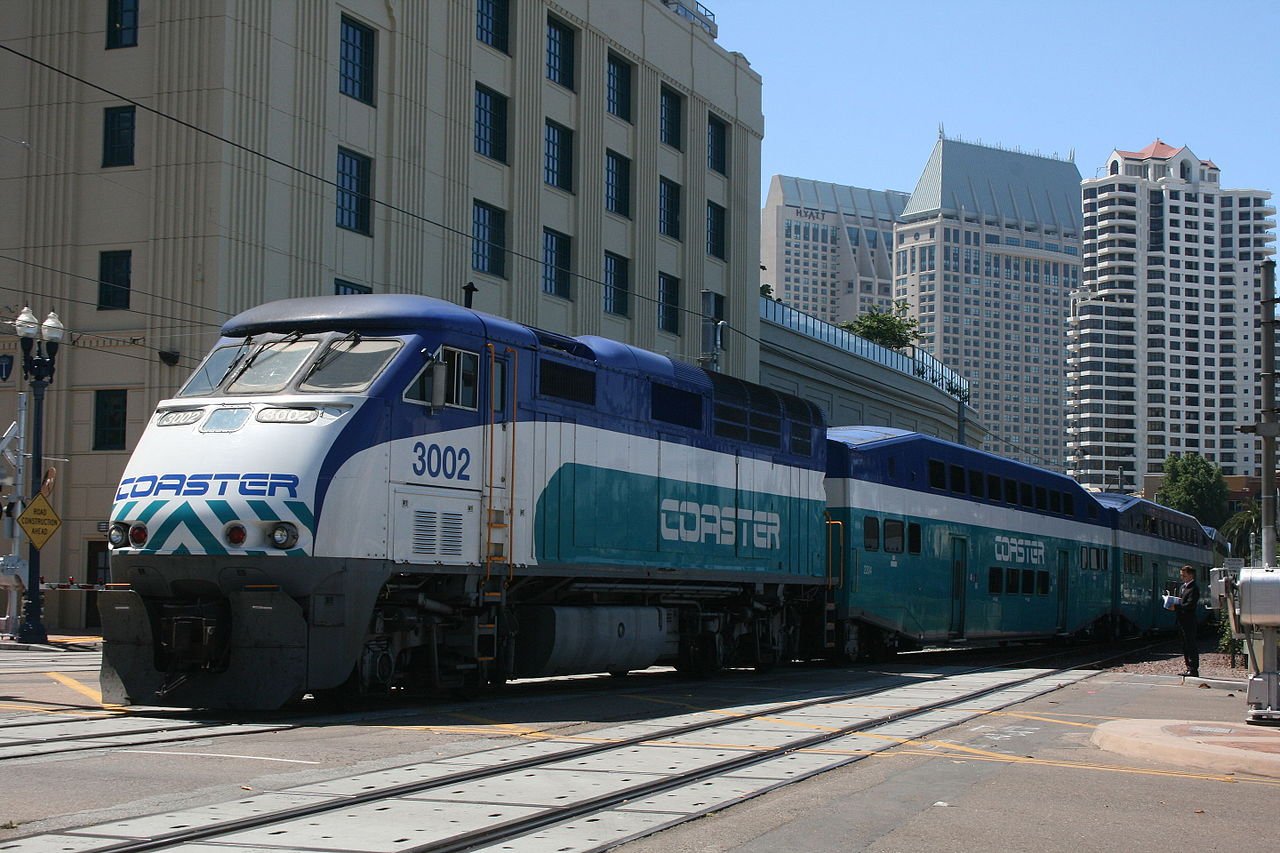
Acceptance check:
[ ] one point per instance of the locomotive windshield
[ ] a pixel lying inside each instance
(347, 364)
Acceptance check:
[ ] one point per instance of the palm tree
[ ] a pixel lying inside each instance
(1239, 528)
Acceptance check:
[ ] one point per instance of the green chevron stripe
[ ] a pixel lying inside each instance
(223, 511)
(264, 510)
(303, 513)
(184, 515)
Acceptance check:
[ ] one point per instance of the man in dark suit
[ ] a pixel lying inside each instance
(1185, 612)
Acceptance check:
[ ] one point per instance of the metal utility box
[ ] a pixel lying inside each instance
(1260, 597)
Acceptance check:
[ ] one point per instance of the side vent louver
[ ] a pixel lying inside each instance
(437, 533)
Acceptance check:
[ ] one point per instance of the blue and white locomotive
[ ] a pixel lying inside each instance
(362, 493)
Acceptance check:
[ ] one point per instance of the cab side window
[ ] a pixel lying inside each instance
(462, 379)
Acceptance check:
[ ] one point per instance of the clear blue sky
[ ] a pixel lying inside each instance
(854, 90)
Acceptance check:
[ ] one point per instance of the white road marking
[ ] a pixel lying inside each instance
(218, 755)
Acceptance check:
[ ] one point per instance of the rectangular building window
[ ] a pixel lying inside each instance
(618, 88)
(717, 145)
(342, 287)
(355, 184)
(668, 303)
(117, 136)
(115, 273)
(122, 23)
(560, 37)
(488, 239)
(110, 414)
(617, 183)
(491, 124)
(557, 164)
(669, 208)
(493, 23)
(717, 228)
(671, 118)
(356, 61)
(616, 284)
(556, 258)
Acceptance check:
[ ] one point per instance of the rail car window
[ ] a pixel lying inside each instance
(1068, 504)
(746, 412)
(675, 406)
(1012, 581)
(566, 382)
(1042, 583)
(957, 479)
(1042, 498)
(804, 417)
(1028, 582)
(995, 580)
(913, 538)
(1011, 492)
(993, 487)
(271, 367)
(213, 370)
(870, 534)
(1025, 490)
(976, 484)
(1055, 502)
(462, 375)
(349, 364)
(937, 474)
(893, 537)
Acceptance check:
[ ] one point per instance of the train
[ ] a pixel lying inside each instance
(372, 493)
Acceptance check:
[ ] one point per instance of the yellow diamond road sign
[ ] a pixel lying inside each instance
(39, 521)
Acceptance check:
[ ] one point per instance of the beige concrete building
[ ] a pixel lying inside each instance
(827, 249)
(591, 166)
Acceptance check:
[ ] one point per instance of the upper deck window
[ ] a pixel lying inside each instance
(271, 367)
(349, 364)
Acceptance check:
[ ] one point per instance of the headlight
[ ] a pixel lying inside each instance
(118, 535)
(284, 535)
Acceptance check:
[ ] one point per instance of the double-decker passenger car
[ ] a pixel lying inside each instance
(944, 543)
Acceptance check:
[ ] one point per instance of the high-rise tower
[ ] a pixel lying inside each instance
(1164, 352)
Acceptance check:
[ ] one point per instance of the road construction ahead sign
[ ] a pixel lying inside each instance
(39, 521)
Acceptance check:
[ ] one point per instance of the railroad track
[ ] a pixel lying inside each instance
(580, 792)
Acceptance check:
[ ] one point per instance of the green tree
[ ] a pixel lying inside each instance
(894, 329)
(1240, 528)
(1194, 485)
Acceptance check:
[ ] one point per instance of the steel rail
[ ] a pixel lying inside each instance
(523, 826)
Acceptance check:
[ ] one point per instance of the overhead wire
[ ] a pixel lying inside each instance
(512, 253)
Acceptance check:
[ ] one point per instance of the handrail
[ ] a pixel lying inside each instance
(830, 525)
(919, 364)
(511, 471)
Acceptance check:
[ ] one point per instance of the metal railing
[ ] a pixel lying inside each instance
(918, 364)
(691, 10)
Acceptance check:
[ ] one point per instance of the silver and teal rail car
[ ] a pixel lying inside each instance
(1152, 543)
(943, 543)
(373, 492)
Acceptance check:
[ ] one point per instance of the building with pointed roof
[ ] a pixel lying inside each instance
(827, 249)
(1164, 349)
(985, 253)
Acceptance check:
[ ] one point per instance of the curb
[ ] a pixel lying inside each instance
(1149, 740)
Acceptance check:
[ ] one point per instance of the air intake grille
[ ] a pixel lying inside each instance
(438, 533)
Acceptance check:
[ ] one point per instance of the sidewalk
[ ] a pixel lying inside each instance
(57, 643)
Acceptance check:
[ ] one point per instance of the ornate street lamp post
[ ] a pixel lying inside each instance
(39, 355)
